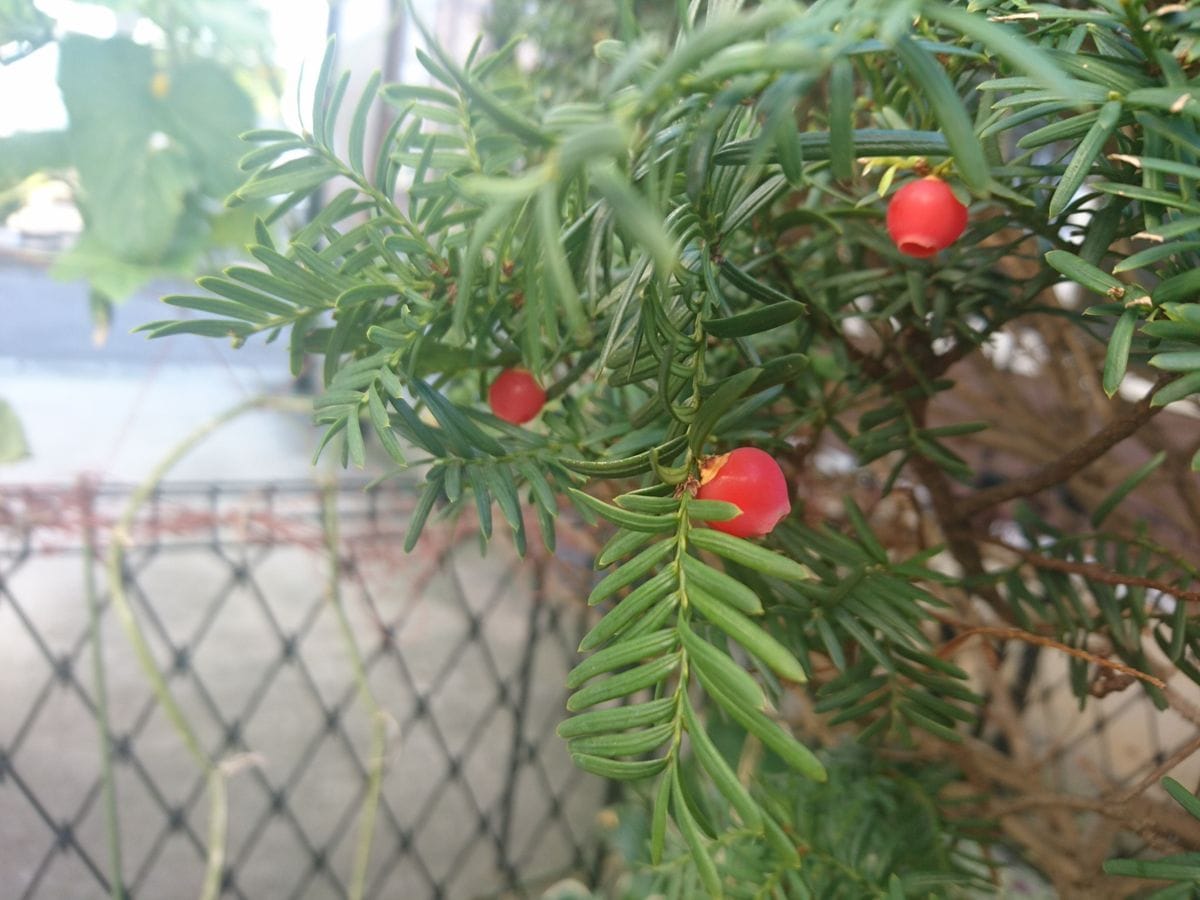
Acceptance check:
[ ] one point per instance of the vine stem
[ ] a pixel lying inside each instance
(123, 610)
(379, 718)
(111, 821)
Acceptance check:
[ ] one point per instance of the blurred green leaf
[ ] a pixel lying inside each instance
(956, 124)
(205, 108)
(26, 153)
(1126, 487)
(13, 446)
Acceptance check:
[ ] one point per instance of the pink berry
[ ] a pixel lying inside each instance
(515, 396)
(751, 480)
(924, 217)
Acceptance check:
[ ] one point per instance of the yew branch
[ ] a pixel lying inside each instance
(1070, 462)
(1016, 634)
(1094, 572)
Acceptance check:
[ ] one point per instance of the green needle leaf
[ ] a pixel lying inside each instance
(770, 733)
(1086, 274)
(603, 721)
(566, 297)
(841, 119)
(629, 682)
(721, 587)
(756, 641)
(1117, 357)
(640, 600)
(624, 518)
(695, 841)
(619, 770)
(722, 775)
(631, 571)
(621, 654)
(1177, 390)
(721, 668)
(1126, 487)
(956, 124)
(1018, 52)
(633, 743)
(1086, 154)
(755, 321)
(658, 822)
(750, 555)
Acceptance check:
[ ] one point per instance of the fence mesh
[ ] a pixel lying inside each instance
(464, 653)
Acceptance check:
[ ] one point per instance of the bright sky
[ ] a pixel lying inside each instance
(29, 98)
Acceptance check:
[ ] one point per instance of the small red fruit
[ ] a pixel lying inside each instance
(515, 396)
(750, 479)
(924, 217)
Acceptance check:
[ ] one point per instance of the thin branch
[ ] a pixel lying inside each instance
(1070, 462)
(1153, 777)
(1094, 572)
(1016, 634)
(945, 506)
(1048, 800)
(1183, 706)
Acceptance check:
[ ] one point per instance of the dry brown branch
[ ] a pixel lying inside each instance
(1070, 462)
(1095, 572)
(1031, 813)
(1183, 706)
(1156, 774)
(1016, 634)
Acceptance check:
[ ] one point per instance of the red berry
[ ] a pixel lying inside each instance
(750, 479)
(516, 397)
(924, 217)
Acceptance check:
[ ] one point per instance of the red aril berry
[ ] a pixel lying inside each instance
(515, 396)
(924, 217)
(751, 480)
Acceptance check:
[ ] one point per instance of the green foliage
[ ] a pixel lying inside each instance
(1183, 869)
(686, 246)
(1076, 568)
(150, 147)
(872, 831)
(570, 40)
(12, 436)
(23, 28)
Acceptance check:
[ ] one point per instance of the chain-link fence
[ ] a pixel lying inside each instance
(241, 597)
(465, 654)
(1115, 740)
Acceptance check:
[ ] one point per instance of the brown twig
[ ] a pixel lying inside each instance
(1183, 706)
(1153, 777)
(1016, 634)
(1094, 572)
(1070, 462)
(945, 506)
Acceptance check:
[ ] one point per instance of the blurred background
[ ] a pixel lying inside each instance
(118, 143)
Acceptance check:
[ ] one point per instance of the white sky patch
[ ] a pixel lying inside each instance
(80, 18)
(29, 97)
